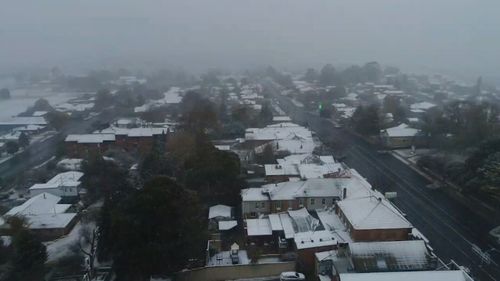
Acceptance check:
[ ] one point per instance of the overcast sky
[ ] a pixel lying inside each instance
(461, 36)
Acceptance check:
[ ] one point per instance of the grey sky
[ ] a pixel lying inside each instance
(461, 36)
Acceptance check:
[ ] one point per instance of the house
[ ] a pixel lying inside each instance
(66, 185)
(435, 275)
(409, 255)
(259, 230)
(313, 194)
(30, 129)
(285, 137)
(401, 136)
(373, 218)
(220, 217)
(45, 216)
(21, 121)
(303, 166)
(70, 164)
(79, 145)
(364, 257)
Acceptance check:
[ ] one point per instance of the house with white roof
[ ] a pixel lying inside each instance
(373, 218)
(401, 136)
(65, 185)
(83, 144)
(432, 275)
(45, 216)
(303, 166)
(288, 137)
(312, 194)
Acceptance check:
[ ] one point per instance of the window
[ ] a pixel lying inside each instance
(323, 201)
(301, 202)
(312, 201)
(278, 204)
(256, 205)
(262, 204)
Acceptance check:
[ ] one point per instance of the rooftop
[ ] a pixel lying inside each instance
(390, 256)
(444, 275)
(402, 130)
(90, 138)
(372, 212)
(219, 211)
(259, 227)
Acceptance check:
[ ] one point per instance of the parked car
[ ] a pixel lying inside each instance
(292, 275)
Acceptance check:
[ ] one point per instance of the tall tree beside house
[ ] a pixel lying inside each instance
(57, 120)
(266, 114)
(311, 75)
(42, 105)
(24, 140)
(29, 256)
(157, 230)
(372, 72)
(103, 99)
(327, 75)
(366, 120)
(198, 113)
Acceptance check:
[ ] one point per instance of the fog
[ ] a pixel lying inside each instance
(455, 36)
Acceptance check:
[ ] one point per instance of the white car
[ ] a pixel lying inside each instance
(292, 275)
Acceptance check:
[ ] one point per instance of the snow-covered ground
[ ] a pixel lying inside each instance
(21, 99)
(63, 246)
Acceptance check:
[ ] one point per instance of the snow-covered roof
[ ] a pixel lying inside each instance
(324, 187)
(28, 128)
(422, 106)
(70, 163)
(42, 221)
(434, 275)
(372, 212)
(43, 203)
(222, 211)
(314, 239)
(402, 130)
(24, 121)
(389, 255)
(227, 225)
(66, 179)
(281, 170)
(330, 221)
(42, 211)
(253, 194)
(39, 113)
(277, 131)
(281, 119)
(275, 222)
(90, 138)
(259, 227)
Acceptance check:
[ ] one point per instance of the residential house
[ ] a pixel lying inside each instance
(45, 216)
(66, 185)
(401, 136)
(373, 218)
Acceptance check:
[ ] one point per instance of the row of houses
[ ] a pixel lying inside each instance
(139, 139)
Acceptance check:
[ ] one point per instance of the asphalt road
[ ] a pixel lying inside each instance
(39, 152)
(451, 228)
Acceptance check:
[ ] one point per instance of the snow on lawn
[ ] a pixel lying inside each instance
(62, 247)
(24, 98)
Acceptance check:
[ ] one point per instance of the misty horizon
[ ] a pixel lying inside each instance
(450, 37)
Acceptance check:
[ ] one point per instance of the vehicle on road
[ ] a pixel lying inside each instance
(292, 275)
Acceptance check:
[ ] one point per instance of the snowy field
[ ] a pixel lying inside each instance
(21, 99)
